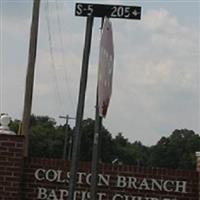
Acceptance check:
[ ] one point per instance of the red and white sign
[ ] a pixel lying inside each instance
(105, 74)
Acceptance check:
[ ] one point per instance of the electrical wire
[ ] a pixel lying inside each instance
(66, 78)
(1, 58)
(51, 51)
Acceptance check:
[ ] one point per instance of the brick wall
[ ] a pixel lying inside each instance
(37, 178)
(61, 167)
(198, 169)
(11, 164)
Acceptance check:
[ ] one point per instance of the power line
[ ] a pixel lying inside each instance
(1, 58)
(51, 51)
(63, 55)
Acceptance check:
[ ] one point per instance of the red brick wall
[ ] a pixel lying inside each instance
(11, 164)
(140, 173)
(18, 182)
(198, 169)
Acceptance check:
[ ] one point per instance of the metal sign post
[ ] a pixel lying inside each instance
(81, 101)
(104, 89)
(90, 11)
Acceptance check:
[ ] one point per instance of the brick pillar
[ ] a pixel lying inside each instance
(11, 166)
(198, 168)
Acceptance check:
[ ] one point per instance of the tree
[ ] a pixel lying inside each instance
(176, 151)
(106, 146)
(15, 125)
(130, 153)
(46, 139)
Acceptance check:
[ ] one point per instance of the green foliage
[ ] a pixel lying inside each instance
(176, 151)
(14, 125)
(130, 153)
(46, 139)
(106, 144)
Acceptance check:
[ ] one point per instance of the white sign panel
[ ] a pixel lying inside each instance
(106, 61)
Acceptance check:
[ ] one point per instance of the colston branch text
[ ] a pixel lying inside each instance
(119, 182)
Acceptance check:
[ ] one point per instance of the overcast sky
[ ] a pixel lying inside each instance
(156, 70)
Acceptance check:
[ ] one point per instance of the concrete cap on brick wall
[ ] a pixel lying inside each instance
(4, 121)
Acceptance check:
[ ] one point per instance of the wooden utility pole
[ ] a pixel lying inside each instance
(30, 73)
(67, 138)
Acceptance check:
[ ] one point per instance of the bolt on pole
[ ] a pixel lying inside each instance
(80, 108)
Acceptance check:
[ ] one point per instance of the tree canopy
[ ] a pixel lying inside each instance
(46, 139)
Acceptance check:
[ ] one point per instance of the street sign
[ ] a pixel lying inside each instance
(106, 61)
(111, 11)
(104, 88)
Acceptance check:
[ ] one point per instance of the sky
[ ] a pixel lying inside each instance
(156, 68)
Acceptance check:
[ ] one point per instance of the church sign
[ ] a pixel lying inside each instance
(112, 186)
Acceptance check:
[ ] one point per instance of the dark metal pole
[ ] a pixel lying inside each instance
(96, 146)
(30, 74)
(80, 108)
(95, 153)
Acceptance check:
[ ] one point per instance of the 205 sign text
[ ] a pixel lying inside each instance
(112, 11)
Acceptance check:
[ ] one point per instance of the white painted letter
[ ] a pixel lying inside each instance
(181, 186)
(156, 183)
(101, 195)
(39, 174)
(104, 180)
(167, 187)
(121, 181)
(51, 175)
(52, 195)
(80, 177)
(117, 197)
(144, 185)
(63, 193)
(59, 180)
(88, 179)
(132, 182)
(42, 193)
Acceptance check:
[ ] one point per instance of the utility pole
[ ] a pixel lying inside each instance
(70, 148)
(30, 74)
(80, 108)
(67, 137)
